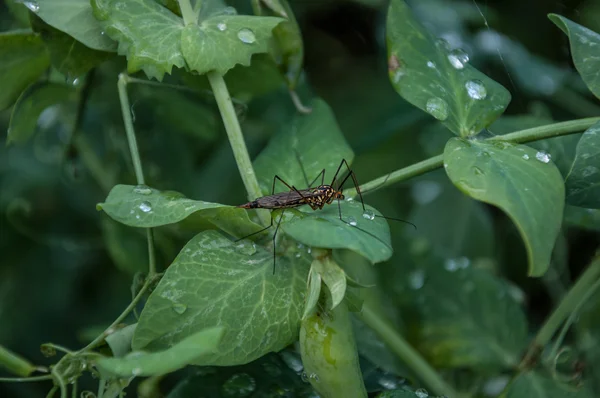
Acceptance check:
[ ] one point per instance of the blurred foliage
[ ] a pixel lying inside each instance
(457, 287)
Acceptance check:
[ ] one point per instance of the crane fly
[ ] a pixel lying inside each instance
(316, 198)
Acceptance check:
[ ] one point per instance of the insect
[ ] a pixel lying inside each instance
(316, 198)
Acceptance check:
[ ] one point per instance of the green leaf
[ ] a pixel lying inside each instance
(185, 352)
(323, 228)
(148, 34)
(127, 249)
(313, 142)
(14, 363)
(32, 102)
(220, 42)
(120, 340)
(145, 207)
(75, 18)
(68, 56)
(333, 277)
(441, 82)
(538, 385)
(583, 181)
(584, 50)
(22, 59)
(584, 218)
(314, 292)
(466, 318)
(528, 190)
(216, 282)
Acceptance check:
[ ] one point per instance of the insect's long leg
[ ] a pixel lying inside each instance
(275, 236)
(322, 174)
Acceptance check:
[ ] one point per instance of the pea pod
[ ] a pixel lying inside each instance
(329, 354)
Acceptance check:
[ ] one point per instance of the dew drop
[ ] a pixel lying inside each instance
(421, 393)
(146, 207)
(476, 89)
(229, 11)
(239, 385)
(477, 170)
(369, 215)
(542, 156)
(136, 371)
(142, 190)
(437, 107)
(458, 58)
(416, 279)
(526, 156)
(349, 199)
(246, 36)
(431, 64)
(246, 247)
(32, 5)
(304, 377)
(222, 26)
(352, 221)
(179, 308)
(292, 360)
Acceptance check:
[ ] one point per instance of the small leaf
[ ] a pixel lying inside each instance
(313, 142)
(584, 50)
(333, 277)
(148, 34)
(214, 281)
(145, 207)
(520, 181)
(314, 292)
(441, 82)
(69, 56)
(32, 102)
(323, 228)
(538, 385)
(183, 353)
(75, 18)
(120, 340)
(220, 42)
(22, 59)
(583, 181)
(14, 363)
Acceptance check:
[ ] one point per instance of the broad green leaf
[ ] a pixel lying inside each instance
(584, 50)
(465, 317)
(367, 233)
(333, 277)
(518, 180)
(313, 142)
(583, 181)
(583, 218)
(220, 42)
(314, 292)
(14, 363)
(440, 81)
(148, 34)
(32, 102)
(120, 340)
(75, 18)
(214, 281)
(142, 206)
(185, 352)
(68, 56)
(539, 385)
(22, 59)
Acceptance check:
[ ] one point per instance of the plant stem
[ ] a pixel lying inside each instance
(406, 353)
(189, 17)
(236, 139)
(564, 309)
(25, 379)
(126, 110)
(519, 137)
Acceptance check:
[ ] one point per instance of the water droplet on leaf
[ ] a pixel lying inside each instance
(32, 5)
(369, 215)
(352, 221)
(246, 36)
(458, 58)
(417, 279)
(421, 393)
(542, 156)
(431, 65)
(146, 207)
(136, 371)
(476, 89)
(142, 190)
(179, 308)
(222, 26)
(526, 157)
(437, 107)
(239, 385)
(477, 170)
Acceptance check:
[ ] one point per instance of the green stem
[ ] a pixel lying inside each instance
(406, 353)
(61, 383)
(567, 306)
(25, 379)
(519, 137)
(236, 139)
(187, 12)
(127, 119)
(51, 392)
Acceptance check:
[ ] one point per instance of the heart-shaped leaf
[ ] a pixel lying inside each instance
(524, 183)
(183, 353)
(440, 81)
(583, 181)
(584, 50)
(214, 281)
